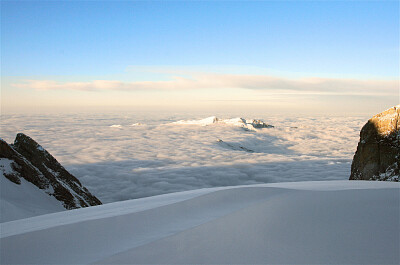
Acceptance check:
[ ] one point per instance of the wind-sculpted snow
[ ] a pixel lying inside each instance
(149, 154)
(326, 222)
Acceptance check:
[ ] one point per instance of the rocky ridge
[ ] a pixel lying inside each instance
(251, 124)
(378, 151)
(33, 163)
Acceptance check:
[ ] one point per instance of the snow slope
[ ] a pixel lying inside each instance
(345, 222)
(23, 200)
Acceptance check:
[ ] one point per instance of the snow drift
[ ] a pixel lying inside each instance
(342, 222)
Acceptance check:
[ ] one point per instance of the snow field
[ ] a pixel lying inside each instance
(306, 222)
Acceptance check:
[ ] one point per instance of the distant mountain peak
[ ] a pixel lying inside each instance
(251, 124)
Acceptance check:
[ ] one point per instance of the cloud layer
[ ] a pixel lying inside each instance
(124, 162)
(195, 81)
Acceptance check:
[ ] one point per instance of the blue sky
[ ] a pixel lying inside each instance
(82, 41)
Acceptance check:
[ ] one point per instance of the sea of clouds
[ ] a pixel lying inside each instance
(120, 156)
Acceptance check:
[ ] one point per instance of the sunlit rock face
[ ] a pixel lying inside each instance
(378, 152)
(27, 159)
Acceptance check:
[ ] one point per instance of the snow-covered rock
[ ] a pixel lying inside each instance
(23, 200)
(378, 151)
(26, 160)
(259, 124)
(281, 223)
(238, 122)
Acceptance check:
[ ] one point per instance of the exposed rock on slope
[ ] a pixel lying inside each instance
(378, 152)
(234, 147)
(33, 163)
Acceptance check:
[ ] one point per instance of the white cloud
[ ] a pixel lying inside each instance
(138, 161)
(196, 81)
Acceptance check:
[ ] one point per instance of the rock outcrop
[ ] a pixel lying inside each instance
(33, 163)
(378, 152)
(234, 147)
(259, 124)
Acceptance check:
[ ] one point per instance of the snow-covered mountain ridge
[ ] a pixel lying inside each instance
(26, 164)
(251, 124)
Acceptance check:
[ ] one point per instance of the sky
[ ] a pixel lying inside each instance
(270, 55)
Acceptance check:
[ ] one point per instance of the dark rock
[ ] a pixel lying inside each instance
(234, 147)
(21, 167)
(378, 152)
(33, 163)
(259, 124)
